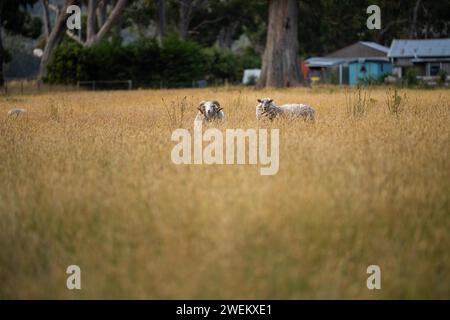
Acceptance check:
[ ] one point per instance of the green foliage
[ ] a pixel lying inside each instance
(17, 20)
(442, 77)
(250, 59)
(182, 61)
(175, 63)
(411, 77)
(105, 60)
(221, 64)
(67, 64)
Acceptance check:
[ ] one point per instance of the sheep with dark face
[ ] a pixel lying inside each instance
(209, 111)
(267, 109)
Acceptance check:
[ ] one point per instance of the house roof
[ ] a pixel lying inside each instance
(419, 48)
(323, 62)
(375, 46)
(360, 49)
(317, 62)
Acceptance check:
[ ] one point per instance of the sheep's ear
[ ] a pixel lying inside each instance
(270, 100)
(259, 100)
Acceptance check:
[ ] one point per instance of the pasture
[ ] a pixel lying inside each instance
(86, 178)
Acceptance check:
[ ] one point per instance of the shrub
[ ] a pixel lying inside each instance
(442, 77)
(182, 61)
(411, 77)
(67, 64)
(221, 64)
(175, 62)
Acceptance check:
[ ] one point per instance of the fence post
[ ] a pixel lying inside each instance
(130, 84)
(21, 86)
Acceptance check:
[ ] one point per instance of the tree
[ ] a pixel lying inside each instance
(16, 20)
(186, 10)
(95, 9)
(162, 19)
(280, 65)
(55, 37)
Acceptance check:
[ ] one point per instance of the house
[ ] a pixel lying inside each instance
(368, 69)
(428, 57)
(352, 65)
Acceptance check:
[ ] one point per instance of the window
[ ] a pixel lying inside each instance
(434, 69)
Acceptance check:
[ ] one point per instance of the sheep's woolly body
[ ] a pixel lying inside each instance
(267, 109)
(16, 111)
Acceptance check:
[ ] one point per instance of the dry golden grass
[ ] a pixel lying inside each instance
(86, 178)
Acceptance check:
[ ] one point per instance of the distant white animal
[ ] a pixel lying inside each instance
(267, 109)
(16, 112)
(38, 52)
(209, 111)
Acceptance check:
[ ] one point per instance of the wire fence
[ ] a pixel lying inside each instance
(33, 86)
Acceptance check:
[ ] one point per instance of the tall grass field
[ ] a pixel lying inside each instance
(86, 178)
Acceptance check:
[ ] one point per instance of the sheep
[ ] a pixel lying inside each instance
(209, 111)
(16, 112)
(266, 108)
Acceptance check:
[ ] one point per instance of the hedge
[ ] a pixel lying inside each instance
(174, 62)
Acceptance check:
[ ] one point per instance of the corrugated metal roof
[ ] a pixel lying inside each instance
(323, 62)
(328, 62)
(375, 46)
(419, 48)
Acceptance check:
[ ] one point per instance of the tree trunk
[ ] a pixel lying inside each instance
(226, 34)
(91, 20)
(161, 19)
(54, 38)
(46, 18)
(280, 65)
(101, 12)
(185, 17)
(109, 23)
(413, 26)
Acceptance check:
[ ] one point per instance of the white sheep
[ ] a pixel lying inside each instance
(266, 108)
(16, 112)
(209, 111)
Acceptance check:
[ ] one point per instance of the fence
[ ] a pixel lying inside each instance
(105, 84)
(33, 86)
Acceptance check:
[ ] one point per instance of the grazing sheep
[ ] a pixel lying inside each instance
(16, 112)
(266, 108)
(209, 111)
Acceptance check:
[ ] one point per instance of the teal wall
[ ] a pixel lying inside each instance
(373, 70)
